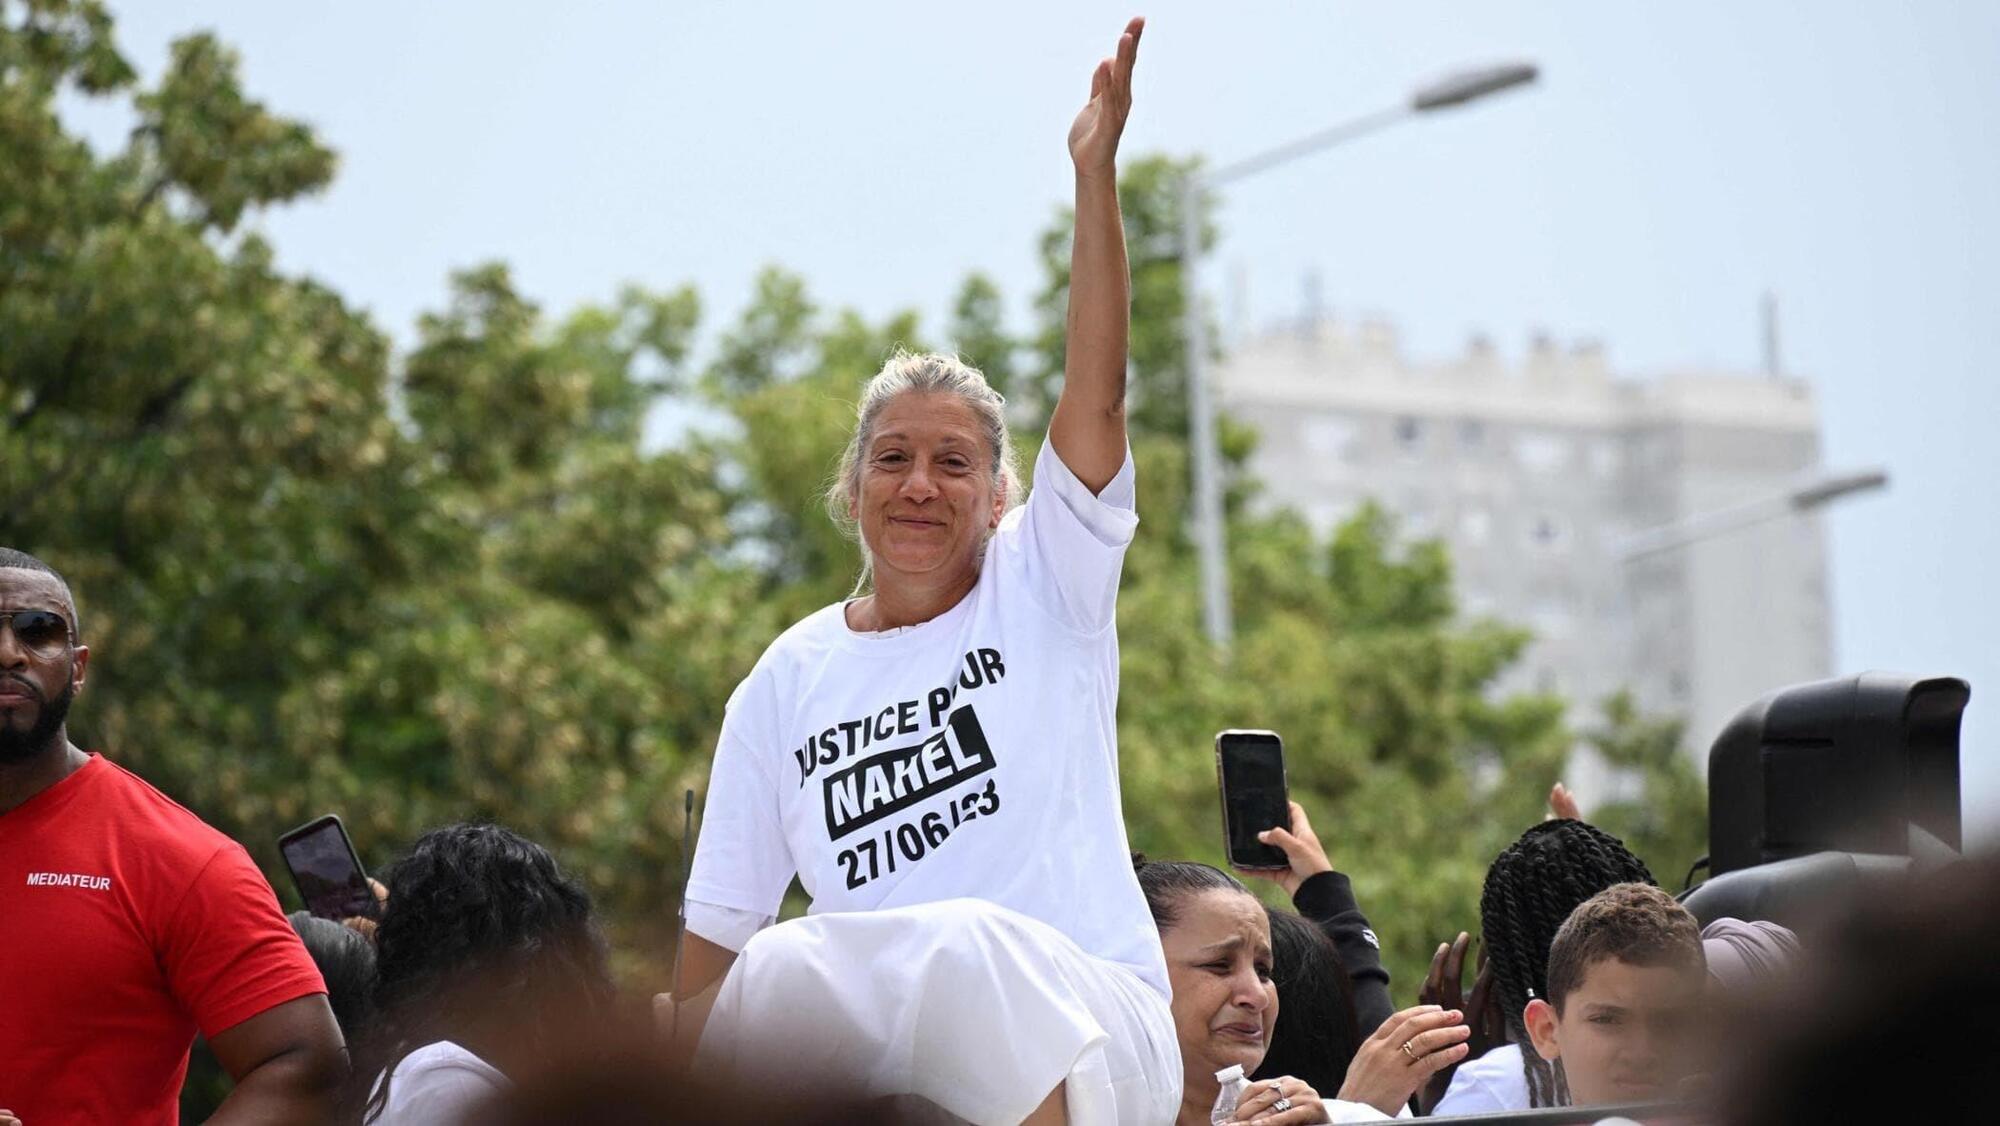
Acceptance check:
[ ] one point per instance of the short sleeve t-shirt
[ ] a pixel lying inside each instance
(126, 926)
(438, 1083)
(1491, 1084)
(975, 754)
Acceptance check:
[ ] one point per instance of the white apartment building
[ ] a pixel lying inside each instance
(1535, 474)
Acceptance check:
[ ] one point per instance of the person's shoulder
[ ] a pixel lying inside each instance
(1109, 514)
(444, 1057)
(138, 811)
(440, 1081)
(1493, 1082)
(805, 642)
(809, 635)
(1504, 1059)
(445, 1069)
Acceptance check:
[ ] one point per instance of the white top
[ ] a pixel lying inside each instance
(1488, 1085)
(436, 1084)
(975, 754)
(1340, 1110)
(908, 1001)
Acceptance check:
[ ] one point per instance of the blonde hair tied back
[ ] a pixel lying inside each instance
(928, 373)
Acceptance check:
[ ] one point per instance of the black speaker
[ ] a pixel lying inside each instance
(1803, 893)
(1856, 764)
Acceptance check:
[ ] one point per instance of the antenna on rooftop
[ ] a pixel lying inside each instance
(1773, 367)
(1312, 306)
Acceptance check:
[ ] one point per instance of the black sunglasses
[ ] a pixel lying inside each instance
(41, 632)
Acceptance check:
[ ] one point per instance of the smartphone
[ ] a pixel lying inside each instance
(1250, 772)
(327, 870)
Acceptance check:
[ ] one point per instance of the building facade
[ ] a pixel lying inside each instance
(1536, 475)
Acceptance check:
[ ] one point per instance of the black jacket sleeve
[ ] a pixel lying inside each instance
(1328, 900)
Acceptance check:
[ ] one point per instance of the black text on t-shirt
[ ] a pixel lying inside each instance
(888, 783)
(843, 740)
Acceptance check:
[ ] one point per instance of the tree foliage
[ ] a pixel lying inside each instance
(460, 583)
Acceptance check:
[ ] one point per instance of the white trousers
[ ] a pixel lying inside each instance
(974, 1008)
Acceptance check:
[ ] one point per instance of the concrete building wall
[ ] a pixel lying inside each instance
(1535, 474)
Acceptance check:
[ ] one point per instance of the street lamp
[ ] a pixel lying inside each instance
(1806, 496)
(1453, 90)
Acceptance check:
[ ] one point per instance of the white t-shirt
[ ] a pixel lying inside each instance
(1488, 1085)
(437, 1084)
(975, 754)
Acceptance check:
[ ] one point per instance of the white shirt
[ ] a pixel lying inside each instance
(1340, 1110)
(1488, 1085)
(908, 1001)
(975, 754)
(437, 1084)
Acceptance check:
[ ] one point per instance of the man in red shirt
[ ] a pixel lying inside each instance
(126, 924)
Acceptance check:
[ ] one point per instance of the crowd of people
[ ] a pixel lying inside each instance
(935, 761)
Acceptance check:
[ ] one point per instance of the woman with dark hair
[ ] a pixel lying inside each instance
(346, 959)
(1531, 888)
(487, 957)
(1327, 898)
(1314, 1036)
(1222, 964)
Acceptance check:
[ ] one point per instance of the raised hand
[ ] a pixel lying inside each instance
(1087, 428)
(1302, 850)
(1442, 987)
(1093, 136)
(1402, 1055)
(1562, 803)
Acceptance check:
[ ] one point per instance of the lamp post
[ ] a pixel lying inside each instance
(1453, 90)
(1818, 492)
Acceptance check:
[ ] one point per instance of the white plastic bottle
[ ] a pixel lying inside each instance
(1233, 1086)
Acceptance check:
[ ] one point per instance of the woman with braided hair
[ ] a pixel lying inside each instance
(1531, 887)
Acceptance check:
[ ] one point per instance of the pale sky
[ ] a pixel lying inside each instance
(1674, 162)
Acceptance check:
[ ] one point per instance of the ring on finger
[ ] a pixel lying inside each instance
(1282, 1105)
(1409, 1051)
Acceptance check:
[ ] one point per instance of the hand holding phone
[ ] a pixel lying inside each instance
(1304, 855)
(328, 872)
(1250, 772)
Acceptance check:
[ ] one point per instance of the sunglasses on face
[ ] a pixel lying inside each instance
(40, 632)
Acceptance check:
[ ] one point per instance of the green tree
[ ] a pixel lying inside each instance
(1417, 770)
(460, 584)
(979, 333)
(792, 397)
(1149, 195)
(313, 581)
(1662, 812)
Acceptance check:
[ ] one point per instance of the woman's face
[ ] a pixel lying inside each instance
(1219, 963)
(926, 498)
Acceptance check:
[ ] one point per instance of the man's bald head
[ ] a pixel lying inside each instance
(21, 560)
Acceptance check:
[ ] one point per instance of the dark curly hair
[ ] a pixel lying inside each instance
(1531, 888)
(480, 920)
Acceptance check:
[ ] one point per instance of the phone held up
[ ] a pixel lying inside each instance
(327, 870)
(1250, 772)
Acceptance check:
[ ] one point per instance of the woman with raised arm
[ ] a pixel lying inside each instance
(936, 760)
